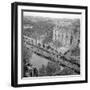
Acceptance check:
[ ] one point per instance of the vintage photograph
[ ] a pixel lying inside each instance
(50, 44)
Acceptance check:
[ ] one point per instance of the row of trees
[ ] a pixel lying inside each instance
(49, 69)
(54, 69)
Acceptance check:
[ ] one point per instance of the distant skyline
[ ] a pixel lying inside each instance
(53, 15)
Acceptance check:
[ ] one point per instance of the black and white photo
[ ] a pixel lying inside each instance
(50, 44)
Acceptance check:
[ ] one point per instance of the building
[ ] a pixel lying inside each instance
(62, 36)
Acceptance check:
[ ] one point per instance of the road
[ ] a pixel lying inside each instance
(54, 57)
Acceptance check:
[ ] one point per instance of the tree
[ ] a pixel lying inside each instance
(66, 71)
(27, 54)
(50, 69)
(42, 70)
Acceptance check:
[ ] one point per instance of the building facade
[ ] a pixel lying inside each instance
(62, 36)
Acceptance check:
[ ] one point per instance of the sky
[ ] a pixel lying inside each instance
(54, 15)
